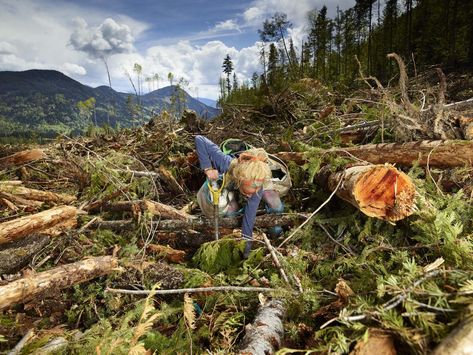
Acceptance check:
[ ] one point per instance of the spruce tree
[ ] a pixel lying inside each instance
(227, 69)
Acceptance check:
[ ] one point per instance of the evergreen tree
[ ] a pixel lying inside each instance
(227, 69)
(276, 30)
(273, 60)
(235, 83)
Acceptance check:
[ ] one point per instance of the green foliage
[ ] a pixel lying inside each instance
(221, 255)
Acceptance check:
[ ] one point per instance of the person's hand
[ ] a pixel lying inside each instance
(212, 174)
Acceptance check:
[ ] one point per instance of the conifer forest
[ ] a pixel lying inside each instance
(104, 249)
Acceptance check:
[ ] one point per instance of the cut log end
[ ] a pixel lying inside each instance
(386, 193)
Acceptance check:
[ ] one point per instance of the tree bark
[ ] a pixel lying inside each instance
(379, 191)
(36, 195)
(460, 340)
(444, 154)
(203, 224)
(155, 208)
(265, 335)
(16, 255)
(466, 124)
(53, 280)
(21, 158)
(21, 227)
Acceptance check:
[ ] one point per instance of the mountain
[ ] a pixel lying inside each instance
(45, 103)
(208, 102)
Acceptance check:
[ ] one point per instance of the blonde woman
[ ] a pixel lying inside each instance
(248, 181)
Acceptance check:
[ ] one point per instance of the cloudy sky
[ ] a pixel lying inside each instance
(189, 38)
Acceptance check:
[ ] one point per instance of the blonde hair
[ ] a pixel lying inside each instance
(250, 165)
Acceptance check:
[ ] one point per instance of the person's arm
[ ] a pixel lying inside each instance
(248, 222)
(210, 155)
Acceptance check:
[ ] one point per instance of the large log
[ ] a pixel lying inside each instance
(444, 154)
(202, 224)
(17, 254)
(36, 195)
(153, 207)
(32, 224)
(379, 191)
(21, 158)
(460, 340)
(265, 335)
(53, 280)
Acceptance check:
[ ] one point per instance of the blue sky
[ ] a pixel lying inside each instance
(189, 38)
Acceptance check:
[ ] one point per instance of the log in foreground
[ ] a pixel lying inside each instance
(379, 191)
(16, 255)
(265, 335)
(445, 154)
(21, 227)
(460, 340)
(53, 280)
(21, 158)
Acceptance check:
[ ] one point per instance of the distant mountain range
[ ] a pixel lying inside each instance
(45, 103)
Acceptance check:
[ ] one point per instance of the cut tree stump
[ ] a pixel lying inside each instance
(445, 154)
(36, 195)
(379, 191)
(33, 224)
(34, 286)
(265, 334)
(23, 157)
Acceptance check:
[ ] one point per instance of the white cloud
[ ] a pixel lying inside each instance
(7, 48)
(227, 25)
(73, 69)
(107, 39)
(200, 65)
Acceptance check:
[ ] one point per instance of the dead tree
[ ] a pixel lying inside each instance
(265, 334)
(30, 287)
(21, 158)
(460, 340)
(446, 154)
(21, 227)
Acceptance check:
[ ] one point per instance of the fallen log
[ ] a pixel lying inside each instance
(265, 335)
(166, 176)
(18, 201)
(36, 195)
(450, 153)
(23, 157)
(460, 340)
(17, 254)
(466, 124)
(21, 227)
(202, 224)
(379, 191)
(28, 288)
(153, 207)
(169, 254)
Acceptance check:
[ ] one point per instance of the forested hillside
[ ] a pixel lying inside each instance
(103, 248)
(44, 103)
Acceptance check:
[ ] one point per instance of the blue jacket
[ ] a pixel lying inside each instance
(210, 156)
